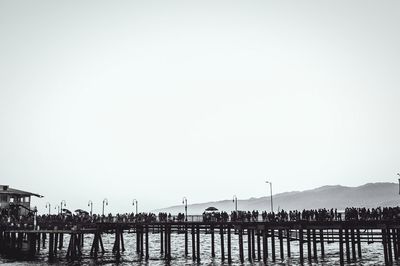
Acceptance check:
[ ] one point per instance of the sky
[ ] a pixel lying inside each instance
(157, 100)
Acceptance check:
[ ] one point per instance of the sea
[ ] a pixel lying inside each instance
(372, 254)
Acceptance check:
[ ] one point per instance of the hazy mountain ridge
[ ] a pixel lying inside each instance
(331, 196)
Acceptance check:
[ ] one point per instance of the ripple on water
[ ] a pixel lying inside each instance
(372, 254)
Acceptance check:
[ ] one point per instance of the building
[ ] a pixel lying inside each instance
(17, 198)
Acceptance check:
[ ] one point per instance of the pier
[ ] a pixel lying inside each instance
(266, 241)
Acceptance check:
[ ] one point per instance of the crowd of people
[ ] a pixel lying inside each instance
(386, 213)
(215, 216)
(349, 214)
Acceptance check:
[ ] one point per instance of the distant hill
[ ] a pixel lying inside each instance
(369, 195)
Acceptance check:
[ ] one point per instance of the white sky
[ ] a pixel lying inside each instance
(156, 100)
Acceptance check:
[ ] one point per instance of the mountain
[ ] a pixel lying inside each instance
(370, 195)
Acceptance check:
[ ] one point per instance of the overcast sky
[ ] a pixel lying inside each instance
(156, 100)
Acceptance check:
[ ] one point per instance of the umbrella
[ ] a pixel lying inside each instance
(80, 211)
(66, 211)
(211, 209)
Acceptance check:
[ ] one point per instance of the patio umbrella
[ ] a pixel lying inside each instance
(80, 211)
(66, 211)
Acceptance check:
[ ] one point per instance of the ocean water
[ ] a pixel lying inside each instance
(372, 254)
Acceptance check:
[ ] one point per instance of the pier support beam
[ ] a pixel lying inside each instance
(221, 232)
(212, 241)
(265, 244)
(249, 244)
(229, 244)
(341, 246)
(273, 245)
(193, 243)
(198, 242)
(321, 240)
(288, 242)
(301, 248)
(281, 251)
(241, 256)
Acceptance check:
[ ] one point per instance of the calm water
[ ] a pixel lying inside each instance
(372, 253)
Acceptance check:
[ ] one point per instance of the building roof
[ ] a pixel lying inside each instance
(4, 189)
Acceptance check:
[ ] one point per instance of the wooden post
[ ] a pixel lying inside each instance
(55, 243)
(147, 242)
(341, 246)
(141, 241)
(20, 240)
(359, 243)
(229, 245)
(38, 242)
(394, 237)
(301, 241)
(117, 248)
(346, 238)
(212, 242)
(61, 242)
(288, 242)
(253, 244)
(137, 239)
(162, 239)
(121, 232)
(353, 244)
(44, 240)
(241, 256)
(198, 242)
(389, 244)
(51, 247)
(321, 240)
(309, 245)
(221, 232)
(265, 245)
(273, 245)
(314, 240)
(249, 244)
(95, 245)
(101, 243)
(167, 243)
(186, 241)
(193, 243)
(78, 244)
(258, 245)
(281, 251)
(398, 242)
(384, 243)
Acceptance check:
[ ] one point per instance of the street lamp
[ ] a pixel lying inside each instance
(61, 205)
(270, 189)
(90, 203)
(184, 201)
(105, 201)
(399, 181)
(135, 203)
(48, 206)
(57, 208)
(235, 201)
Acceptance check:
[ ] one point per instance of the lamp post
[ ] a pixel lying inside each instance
(399, 181)
(184, 201)
(58, 209)
(105, 201)
(235, 201)
(61, 205)
(90, 203)
(135, 203)
(270, 189)
(48, 205)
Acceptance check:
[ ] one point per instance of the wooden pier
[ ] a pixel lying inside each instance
(311, 237)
